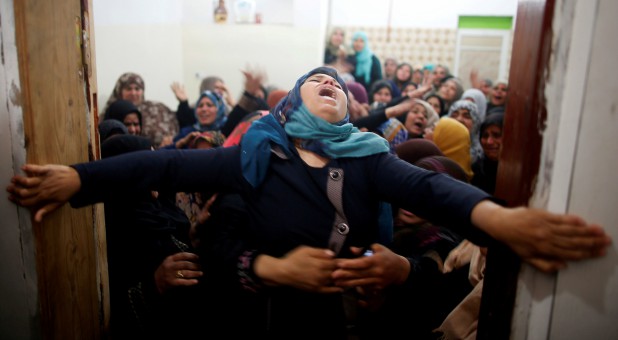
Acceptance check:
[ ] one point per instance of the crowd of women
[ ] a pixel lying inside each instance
(355, 205)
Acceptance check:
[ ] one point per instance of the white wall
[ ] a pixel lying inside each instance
(168, 40)
(176, 40)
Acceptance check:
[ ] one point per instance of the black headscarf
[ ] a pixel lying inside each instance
(119, 109)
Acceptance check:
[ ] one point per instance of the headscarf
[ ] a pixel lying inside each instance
(495, 117)
(363, 58)
(394, 132)
(478, 97)
(430, 114)
(476, 151)
(443, 164)
(291, 118)
(415, 149)
(333, 49)
(377, 86)
(157, 119)
(485, 169)
(458, 88)
(359, 92)
(123, 144)
(111, 127)
(453, 139)
(221, 117)
(126, 79)
(443, 110)
(119, 109)
(214, 138)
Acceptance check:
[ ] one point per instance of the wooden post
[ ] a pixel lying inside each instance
(55, 53)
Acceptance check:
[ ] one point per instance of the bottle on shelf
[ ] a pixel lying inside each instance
(221, 13)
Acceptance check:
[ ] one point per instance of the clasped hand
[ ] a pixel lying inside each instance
(317, 270)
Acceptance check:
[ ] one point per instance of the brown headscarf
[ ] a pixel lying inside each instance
(158, 120)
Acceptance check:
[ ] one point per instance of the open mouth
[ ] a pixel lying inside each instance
(328, 93)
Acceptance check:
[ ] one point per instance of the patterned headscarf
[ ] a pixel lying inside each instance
(157, 119)
(394, 132)
(125, 80)
(363, 58)
(221, 117)
(214, 138)
(479, 99)
(453, 139)
(291, 119)
(476, 151)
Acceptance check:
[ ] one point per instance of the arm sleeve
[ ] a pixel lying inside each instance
(373, 120)
(162, 170)
(436, 197)
(185, 114)
(376, 116)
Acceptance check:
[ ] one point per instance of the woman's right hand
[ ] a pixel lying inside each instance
(44, 187)
(253, 81)
(179, 91)
(304, 268)
(180, 269)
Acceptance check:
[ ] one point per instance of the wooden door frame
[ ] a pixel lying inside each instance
(524, 124)
(57, 95)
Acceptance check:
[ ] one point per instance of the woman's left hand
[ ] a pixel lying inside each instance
(378, 271)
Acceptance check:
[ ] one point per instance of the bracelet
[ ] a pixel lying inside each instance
(248, 280)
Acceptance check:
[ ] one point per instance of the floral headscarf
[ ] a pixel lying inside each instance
(158, 120)
(125, 80)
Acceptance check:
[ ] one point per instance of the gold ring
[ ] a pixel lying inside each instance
(179, 275)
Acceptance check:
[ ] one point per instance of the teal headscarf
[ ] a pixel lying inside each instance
(291, 119)
(363, 58)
